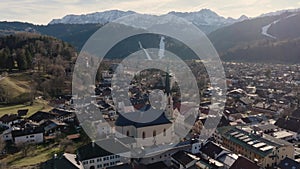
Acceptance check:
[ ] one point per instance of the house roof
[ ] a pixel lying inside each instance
(244, 163)
(182, 157)
(61, 112)
(27, 131)
(211, 149)
(296, 113)
(68, 161)
(91, 150)
(263, 127)
(22, 112)
(289, 123)
(94, 150)
(246, 100)
(9, 118)
(288, 163)
(39, 116)
(124, 121)
(73, 136)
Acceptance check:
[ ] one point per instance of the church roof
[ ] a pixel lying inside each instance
(124, 121)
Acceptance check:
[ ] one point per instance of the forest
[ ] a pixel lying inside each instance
(44, 61)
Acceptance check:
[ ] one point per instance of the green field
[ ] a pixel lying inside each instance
(16, 87)
(35, 155)
(38, 105)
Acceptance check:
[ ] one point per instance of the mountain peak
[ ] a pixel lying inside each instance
(243, 17)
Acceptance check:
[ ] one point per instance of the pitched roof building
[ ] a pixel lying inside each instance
(266, 150)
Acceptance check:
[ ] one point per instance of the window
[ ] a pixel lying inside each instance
(99, 166)
(127, 133)
(31, 136)
(154, 133)
(92, 161)
(144, 135)
(165, 132)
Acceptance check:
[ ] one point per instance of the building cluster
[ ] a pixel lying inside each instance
(38, 128)
(258, 128)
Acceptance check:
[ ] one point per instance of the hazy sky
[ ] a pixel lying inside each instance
(42, 11)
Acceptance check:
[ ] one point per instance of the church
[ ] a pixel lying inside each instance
(160, 131)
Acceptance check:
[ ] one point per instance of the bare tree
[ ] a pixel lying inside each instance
(26, 149)
(2, 145)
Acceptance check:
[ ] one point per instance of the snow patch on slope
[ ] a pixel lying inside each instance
(265, 29)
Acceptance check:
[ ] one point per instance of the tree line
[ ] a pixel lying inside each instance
(48, 61)
(30, 51)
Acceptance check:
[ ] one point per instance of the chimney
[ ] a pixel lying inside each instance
(55, 156)
(93, 144)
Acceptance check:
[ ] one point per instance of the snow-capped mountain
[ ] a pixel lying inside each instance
(280, 12)
(97, 17)
(205, 19)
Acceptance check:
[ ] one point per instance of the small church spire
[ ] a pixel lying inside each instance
(169, 106)
(168, 83)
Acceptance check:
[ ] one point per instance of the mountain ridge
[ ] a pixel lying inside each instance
(206, 19)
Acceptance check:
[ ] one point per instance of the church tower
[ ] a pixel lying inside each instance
(168, 94)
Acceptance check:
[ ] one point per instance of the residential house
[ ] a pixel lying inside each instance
(8, 120)
(51, 126)
(28, 135)
(94, 156)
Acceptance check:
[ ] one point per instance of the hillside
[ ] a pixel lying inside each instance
(34, 65)
(74, 34)
(240, 33)
(266, 51)
(14, 90)
(271, 38)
